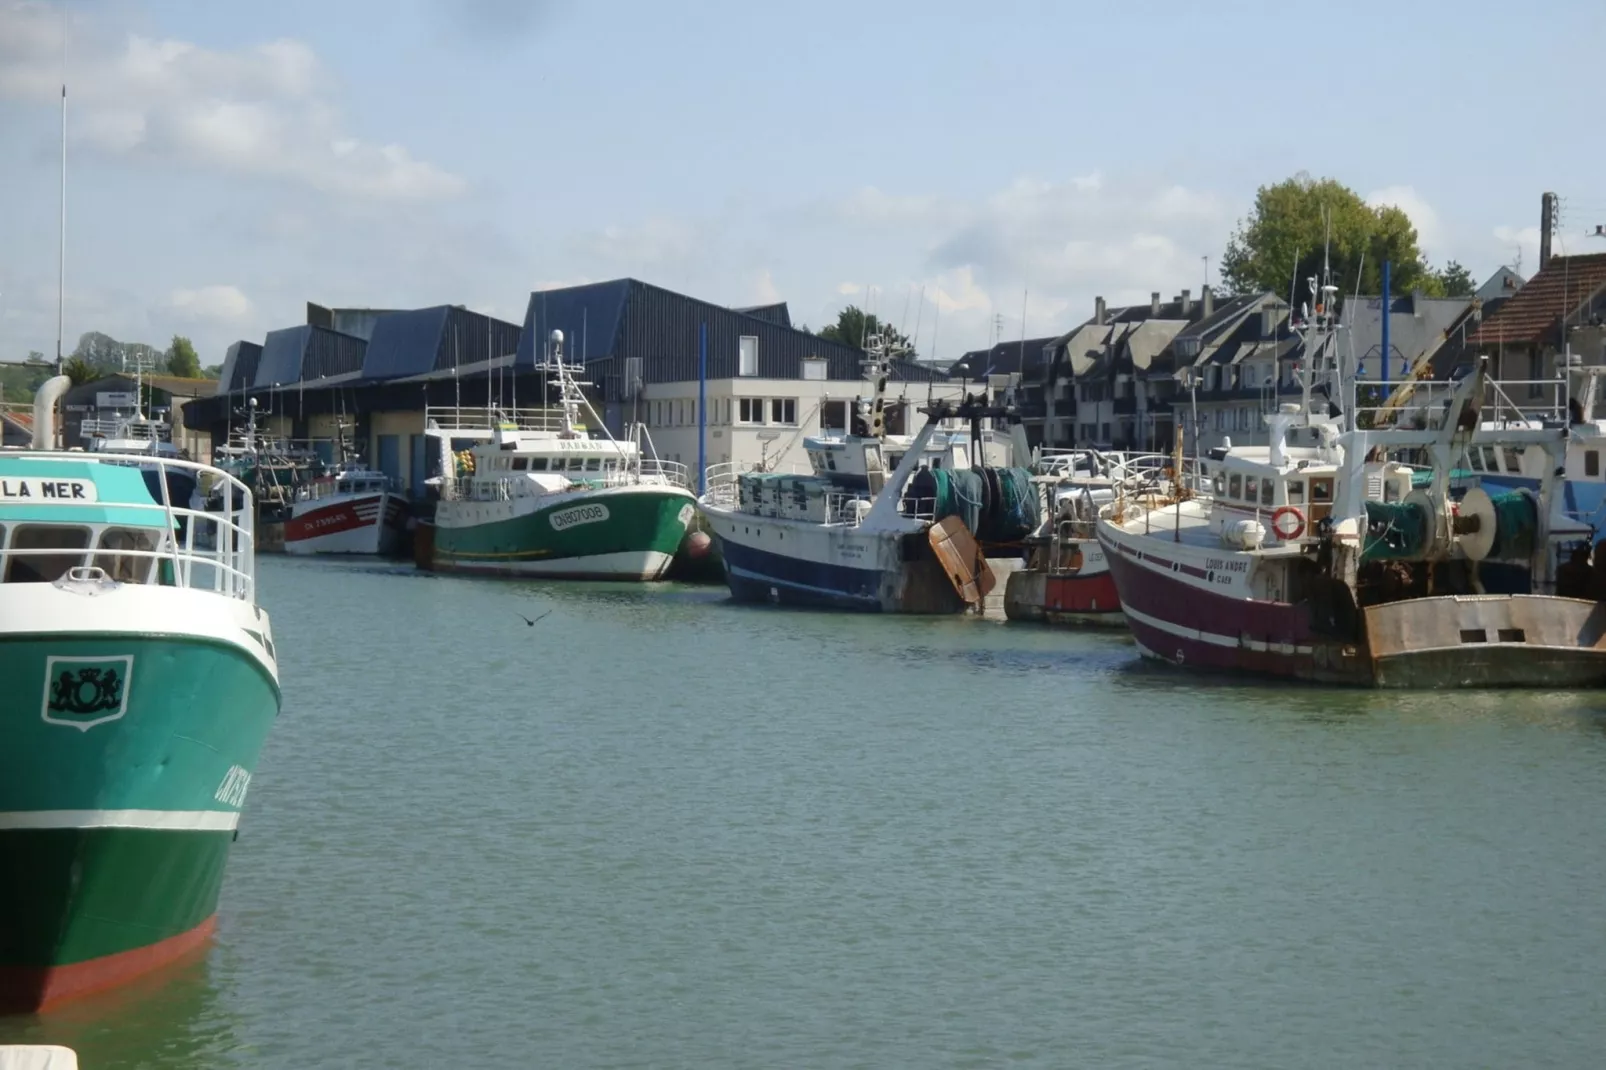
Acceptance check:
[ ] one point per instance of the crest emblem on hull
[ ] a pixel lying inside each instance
(85, 692)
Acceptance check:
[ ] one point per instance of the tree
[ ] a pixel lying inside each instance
(35, 357)
(80, 371)
(856, 328)
(212, 371)
(1287, 221)
(1457, 281)
(181, 358)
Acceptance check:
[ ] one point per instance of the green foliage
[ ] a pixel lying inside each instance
(81, 371)
(105, 353)
(18, 382)
(182, 358)
(1287, 221)
(1457, 281)
(212, 371)
(854, 327)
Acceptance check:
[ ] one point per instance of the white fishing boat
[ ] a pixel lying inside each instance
(857, 532)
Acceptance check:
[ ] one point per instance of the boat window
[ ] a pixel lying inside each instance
(1490, 463)
(1475, 458)
(1591, 462)
(1296, 492)
(1321, 491)
(1513, 465)
(594, 464)
(1235, 486)
(126, 567)
(343, 488)
(35, 567)
(538, 464)
(520, 464)
(1265, 492)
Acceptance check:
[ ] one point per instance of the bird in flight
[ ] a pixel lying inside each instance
(530, 622)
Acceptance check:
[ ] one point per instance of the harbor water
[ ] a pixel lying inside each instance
(660, 829)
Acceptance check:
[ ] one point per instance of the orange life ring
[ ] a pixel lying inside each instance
(1280, 523)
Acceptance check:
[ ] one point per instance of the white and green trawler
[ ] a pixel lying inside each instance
(140, 682)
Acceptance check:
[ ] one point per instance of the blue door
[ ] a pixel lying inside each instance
(390, 456)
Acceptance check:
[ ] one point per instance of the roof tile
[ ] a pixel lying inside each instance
(1566, 283)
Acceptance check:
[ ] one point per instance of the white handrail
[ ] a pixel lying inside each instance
(232, 558)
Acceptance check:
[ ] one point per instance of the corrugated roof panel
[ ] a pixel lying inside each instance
(406, 343)
(281, 356)
(588, 316)
(472, 337)
(239, 367)
(331, 353)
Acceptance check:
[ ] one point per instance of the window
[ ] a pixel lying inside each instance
(1490, 462)
(40, 567)
(1321, 491)
(538, 464)
(1296, 492)
(1219, 481)
(593, 464)
(126, 567)
(747, 355)
(1265, 492)
(834, 416)
(1475, 459)
(1512, 464)
(1104, 433)
(750, 411)
(813, 370)
(1591, 462)
(783, 411)
(520, 464)
(1235, 486)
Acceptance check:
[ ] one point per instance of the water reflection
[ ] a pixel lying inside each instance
(176, 1019)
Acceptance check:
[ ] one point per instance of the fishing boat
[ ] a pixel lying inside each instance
(857, 533)
(141, 682)
(1324, 556)
(545, 493)
(350, 510)
(1066, 579)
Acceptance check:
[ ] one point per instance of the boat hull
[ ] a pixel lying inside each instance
(830, 566)
(1448, 641)
(355, 524)
(119, 798)
(1081, 597)
(618, 533)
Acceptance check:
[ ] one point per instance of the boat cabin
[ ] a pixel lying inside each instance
(59, 516)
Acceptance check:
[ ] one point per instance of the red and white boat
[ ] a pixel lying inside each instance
(352, 511)
(1066, 579)
(1321, 556)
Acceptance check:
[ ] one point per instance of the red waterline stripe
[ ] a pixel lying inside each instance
(38, 988)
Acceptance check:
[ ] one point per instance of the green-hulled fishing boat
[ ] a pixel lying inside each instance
(140, 682)
(542, 494)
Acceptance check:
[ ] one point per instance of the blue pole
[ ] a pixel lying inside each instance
(1386, 316)
(702, 410)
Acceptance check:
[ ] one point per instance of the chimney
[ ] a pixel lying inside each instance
(1154, 304)
(1208, 298)
(1547, 223)
(1099, 311)
(1186, 301)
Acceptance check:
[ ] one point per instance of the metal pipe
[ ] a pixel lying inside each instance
(1386, 310)
(702, 409)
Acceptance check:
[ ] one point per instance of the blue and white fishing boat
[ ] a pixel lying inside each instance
(855, 533)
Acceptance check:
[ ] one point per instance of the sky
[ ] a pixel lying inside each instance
(965, 169)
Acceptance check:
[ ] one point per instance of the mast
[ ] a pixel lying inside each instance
(61, 263)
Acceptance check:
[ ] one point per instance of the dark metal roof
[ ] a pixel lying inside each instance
(606, 324)
(1005, 358)
(434, 339)
(239, 367)
(301, 354)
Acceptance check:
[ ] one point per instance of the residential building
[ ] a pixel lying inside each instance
(1558, 313)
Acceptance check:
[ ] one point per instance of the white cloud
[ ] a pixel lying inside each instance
(262, 110)
(765, 292)
(218, 304)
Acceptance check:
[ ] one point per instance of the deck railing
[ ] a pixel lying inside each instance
(205, 550)
(482, 419)
(1505, 402)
